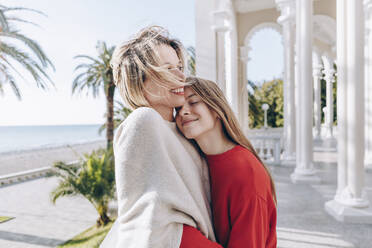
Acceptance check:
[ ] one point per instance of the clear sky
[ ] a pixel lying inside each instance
(74, 26)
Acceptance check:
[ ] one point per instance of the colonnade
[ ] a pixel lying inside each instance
(304, 68)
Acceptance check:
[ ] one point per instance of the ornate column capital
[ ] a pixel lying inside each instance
(329, 75)
(328, 71)
(317, 70)
(288, 11)
(368, 6)
(220, 21)
(244, 53)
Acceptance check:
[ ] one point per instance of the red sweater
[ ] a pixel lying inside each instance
(244, 211)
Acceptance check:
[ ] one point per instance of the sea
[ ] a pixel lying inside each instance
(15, 139)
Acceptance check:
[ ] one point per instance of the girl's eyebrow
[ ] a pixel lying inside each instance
(191, 96)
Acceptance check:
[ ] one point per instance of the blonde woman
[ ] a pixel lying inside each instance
(242, 190)
(162, 181)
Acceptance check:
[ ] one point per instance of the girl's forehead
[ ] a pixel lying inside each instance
(189, 92)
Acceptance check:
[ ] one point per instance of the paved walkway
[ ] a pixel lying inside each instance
(38, 223)
(302, 221)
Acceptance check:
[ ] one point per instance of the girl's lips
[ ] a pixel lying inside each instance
(188, 122)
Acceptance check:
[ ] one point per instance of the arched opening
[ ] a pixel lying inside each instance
(265, 75)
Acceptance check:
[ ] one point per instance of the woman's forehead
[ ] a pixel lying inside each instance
(167, 55)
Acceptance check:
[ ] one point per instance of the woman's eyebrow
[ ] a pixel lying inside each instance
(169, 63)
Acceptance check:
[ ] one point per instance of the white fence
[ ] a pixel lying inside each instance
(28, 175)
(268, 143)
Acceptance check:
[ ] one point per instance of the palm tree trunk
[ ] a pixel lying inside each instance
(103, 217)
(110, 92)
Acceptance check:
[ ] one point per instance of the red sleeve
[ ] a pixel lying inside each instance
(193, 238)
(250, 220)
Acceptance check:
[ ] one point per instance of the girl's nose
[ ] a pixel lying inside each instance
(184, 110)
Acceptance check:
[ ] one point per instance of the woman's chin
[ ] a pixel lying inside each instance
(178, 102)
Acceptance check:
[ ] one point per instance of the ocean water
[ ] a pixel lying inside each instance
(21, 138)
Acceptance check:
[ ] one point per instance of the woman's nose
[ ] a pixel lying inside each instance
(181, 75)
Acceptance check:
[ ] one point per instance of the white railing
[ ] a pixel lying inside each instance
(28, 175)
(268, 143)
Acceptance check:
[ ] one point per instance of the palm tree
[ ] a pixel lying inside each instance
(120, 114)
(33, 58)
(96, 74)
(93, 178)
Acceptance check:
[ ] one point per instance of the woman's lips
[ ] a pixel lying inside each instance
(178, 91)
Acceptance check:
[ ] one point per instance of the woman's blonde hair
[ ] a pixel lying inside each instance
(137, 59)
(214, 98)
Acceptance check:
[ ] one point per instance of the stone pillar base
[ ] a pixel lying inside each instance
(368, 166)
(325, 145)
(368, 163)
(317, 138)
(288, 159)
(348, 214)
(305, 176)
(328, 133)
(317, 134)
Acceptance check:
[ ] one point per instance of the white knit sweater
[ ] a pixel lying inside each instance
(162, 183)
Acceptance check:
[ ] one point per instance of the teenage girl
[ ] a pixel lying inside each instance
(242, 190)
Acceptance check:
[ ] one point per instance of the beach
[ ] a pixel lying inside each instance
(13, 162)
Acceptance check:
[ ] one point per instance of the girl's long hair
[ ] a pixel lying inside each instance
(212, 95)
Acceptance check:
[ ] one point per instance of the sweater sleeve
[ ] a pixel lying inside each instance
(193, 238)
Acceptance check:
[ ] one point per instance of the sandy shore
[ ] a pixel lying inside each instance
(27, 160)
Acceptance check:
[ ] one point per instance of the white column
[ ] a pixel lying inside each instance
(232, 58)
(304, 172)
(350, 204)
(227, 54)
(243, 91)
(317, 74)
(297, 102)
(368, 84)
(341, 98)
(221, 28)
(297, 82)
(205, 40)
(355, 103)
(287, 19)
(330, 79)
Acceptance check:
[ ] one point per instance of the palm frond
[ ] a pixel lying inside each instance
(35, 64)
(63, 189)
(38, 74)
(32, 45)
(6, 9)
(8, 78)
(87, 57)
(4, 25)
(17, 19)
